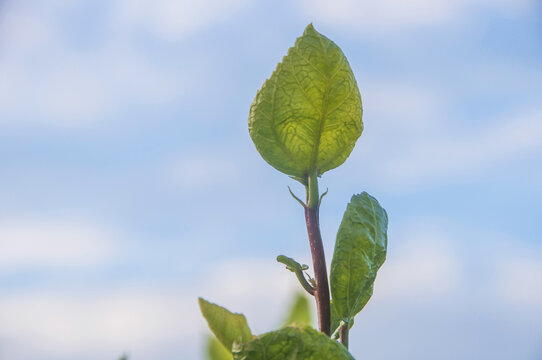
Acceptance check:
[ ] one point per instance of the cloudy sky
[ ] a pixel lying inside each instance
(129, 185)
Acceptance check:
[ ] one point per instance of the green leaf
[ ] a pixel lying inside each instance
(291, 264)
(291, 343)
(300, 312)
(307, 116)
(217, 351)
(227, 326)
(360, 250)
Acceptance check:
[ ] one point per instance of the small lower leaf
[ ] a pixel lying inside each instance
(227, 326)
(300, 311)
(217, 351)
(291, 343)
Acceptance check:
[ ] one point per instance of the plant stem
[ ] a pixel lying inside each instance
(301, 278)
(343, 335)
(321, 290)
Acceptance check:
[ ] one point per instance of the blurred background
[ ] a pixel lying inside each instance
(129, 185)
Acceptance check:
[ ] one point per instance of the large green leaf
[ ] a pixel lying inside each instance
(300, 311)
(307, 115)
(227, 326)
(216, 351)
(360, 250)
(291, 343)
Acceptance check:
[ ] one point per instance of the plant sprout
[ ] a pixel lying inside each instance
(304, 121)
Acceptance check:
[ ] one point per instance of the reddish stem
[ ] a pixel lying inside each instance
(321, 290)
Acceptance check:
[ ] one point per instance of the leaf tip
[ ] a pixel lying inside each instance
(203, 306)
(310, 28)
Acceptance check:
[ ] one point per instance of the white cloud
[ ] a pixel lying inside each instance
(444, 285)
(197, 170)
(424, 271)
(47, 81)
(519, 282)
(146, 322)
(385, 15)
(370, 17)
(174, 19)
(89, 326)
(423, 275)
(400, 107)
(438, 156)
(410, 139)
(433, 260)
(30, 243)
(71, 89)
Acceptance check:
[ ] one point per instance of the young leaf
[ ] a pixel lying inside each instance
(307, 115)
(360, 250)
(291, 264)
(217, 351)
(227, 326)
(300, 312)
(297, 269)
(291, 343)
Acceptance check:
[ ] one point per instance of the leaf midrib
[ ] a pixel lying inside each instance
(322, 121)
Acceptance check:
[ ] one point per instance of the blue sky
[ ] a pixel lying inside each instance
(130, 185)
